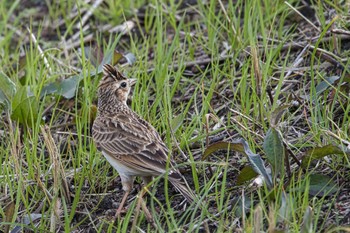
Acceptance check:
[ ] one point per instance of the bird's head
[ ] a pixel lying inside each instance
(114, 85)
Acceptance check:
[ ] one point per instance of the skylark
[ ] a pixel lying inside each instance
(129, 143)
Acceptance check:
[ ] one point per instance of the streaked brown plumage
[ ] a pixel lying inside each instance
(129, 143)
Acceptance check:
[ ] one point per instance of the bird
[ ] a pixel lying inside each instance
(128, 142)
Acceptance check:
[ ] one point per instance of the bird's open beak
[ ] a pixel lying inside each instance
(132, 81)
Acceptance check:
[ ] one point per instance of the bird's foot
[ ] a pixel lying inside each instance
(120, 212)
(148, 215)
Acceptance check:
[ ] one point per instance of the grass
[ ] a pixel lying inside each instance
(207, 72)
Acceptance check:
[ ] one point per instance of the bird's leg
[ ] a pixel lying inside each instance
(141, 203)
(146, 180)
(127, 182)
(121, 205)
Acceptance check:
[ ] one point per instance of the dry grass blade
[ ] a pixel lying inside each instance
(272, 219)
(307, 225)
(56, 171)
(15, 145)
(257, 71)
(9, 212)
(258, 219)
(228, 18)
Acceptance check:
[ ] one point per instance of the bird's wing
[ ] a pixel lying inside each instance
(131, 141)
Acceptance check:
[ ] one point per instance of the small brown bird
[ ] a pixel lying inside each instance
(129, 143)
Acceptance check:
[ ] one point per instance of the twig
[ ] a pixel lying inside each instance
(340, 31)
(73, 44)
(62, 125)
(291, 153)
(124, 28)
(88, 13)
(338, 137)
(74, 134)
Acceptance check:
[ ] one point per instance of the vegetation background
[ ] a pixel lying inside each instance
(241, 91)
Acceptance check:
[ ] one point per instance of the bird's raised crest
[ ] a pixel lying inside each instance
(111, 71)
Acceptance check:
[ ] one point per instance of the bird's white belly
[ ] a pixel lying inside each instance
(121, 169)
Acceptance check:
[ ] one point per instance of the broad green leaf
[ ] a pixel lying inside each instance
(320, 152)
(246, 174)
(130, 57)
(24, 108)
(324, 85)
(321, 185)
(69, 86)
(241, 145)
(222, 146)
(242, 204)
(7, 89)
(274, 150)
(307, 225)
(111, 56)
(66, 87)
(26, 220)
(257, 164)
(94, 55)
(116, 57)
(285, 210)
(51, 88)
(177, 121)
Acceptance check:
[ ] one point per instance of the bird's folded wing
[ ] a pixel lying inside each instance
(132, 142)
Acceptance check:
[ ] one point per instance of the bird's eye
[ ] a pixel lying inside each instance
(123, 85)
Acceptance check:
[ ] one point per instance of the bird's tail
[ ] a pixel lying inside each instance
(181, 185)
